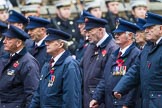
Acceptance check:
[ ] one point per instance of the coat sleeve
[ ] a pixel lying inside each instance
(30, 78)
(130, 80)
(99, 92)
(72, 86)
(35, 103)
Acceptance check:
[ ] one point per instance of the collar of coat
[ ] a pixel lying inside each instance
(42, 44)
(104, 43)
(62, 58)
(115, 54)
(20, 54)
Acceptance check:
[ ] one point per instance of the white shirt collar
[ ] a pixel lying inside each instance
(40, 42)
(124, 50)
(16, 52)
(102, 40)
(158, 40)
(57, 57)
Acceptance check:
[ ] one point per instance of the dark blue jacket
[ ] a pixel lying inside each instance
(66, 89)
(106, 85)
(19, 77)
(93, 65)
(146, 72)
(39, 53)
(82, 46)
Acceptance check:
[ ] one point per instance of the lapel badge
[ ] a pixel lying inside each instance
(10, 72)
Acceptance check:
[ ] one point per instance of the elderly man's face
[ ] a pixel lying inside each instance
(93, 35)
(10, 44)
(36, 34)
(153, 33)
(53, 47)
(121, 39)
(140, 37)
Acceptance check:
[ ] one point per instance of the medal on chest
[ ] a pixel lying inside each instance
(120, 69)
(52, 78)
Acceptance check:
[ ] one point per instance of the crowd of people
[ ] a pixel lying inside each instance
(88, 62)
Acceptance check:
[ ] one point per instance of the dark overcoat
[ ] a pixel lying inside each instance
(146, 72)
(65, 91)
(111, 78)
(93, 65)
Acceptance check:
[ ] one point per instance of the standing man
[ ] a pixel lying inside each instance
(17, 19)
(83, 43)
(116, 67)
(37, 30)
(62, 22)
(60, 82)
(147, 70)
(19, 76)
(95, 56)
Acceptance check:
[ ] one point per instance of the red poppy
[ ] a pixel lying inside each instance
(52, 71)
(16, 64)
(104, 52)
(120, 62)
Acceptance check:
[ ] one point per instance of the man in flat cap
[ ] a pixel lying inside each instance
(63, 22)
(60, 82)
(36, 28)
(116, 67)
(147, 70)
(20, 72)
(97, 53)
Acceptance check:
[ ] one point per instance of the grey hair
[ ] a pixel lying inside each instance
(127, 34)
(65, 45)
